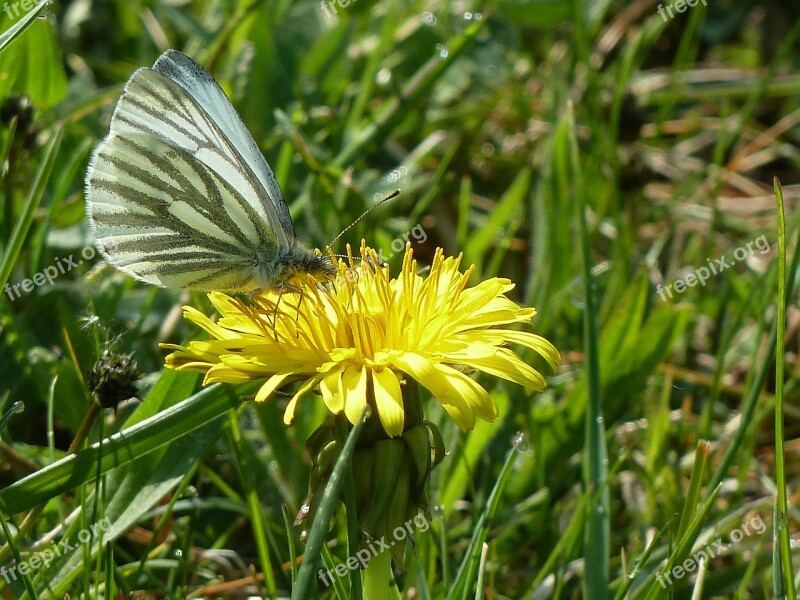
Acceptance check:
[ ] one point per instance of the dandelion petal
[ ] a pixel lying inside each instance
(389, 401)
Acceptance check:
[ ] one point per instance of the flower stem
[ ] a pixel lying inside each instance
(412, 404)
(350, 509)
(377, 576)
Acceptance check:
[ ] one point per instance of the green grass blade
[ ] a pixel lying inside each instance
(471, 562)
(641, 561)
(481, 572)
(287, 524)
(16, 408)
(353, 535)
(598, 527)
(336, 581)
(782, 569)
(20, 26)
(695, 485)
(499, 218)
(245, 469)
(682, 548)
(750, 402)
(32, 200)
(466, 459)
(316, 537)
(15, 551)
(393, 110)
(128, 445)
(138, 486)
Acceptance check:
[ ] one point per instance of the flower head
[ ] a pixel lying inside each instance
(113, 378)
(363, 334)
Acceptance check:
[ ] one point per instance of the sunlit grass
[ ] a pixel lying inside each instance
(679, 128)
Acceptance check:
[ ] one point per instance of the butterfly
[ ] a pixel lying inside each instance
(179, 195)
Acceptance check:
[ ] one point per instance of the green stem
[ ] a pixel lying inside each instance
(412, 404)
(377, 577)
(782, 555)
(353, 537)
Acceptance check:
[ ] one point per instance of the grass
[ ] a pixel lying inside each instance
(593, 153)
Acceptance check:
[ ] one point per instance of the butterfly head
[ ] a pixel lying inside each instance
(319, 266)
(294, 262)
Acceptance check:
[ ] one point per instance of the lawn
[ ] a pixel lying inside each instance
(627, 168)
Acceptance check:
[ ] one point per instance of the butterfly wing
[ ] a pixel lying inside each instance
(207, 93)
(178, 194)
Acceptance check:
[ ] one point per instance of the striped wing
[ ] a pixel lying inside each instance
(178, 194)
(206, 92)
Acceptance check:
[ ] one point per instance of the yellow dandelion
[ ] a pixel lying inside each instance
(364, 333)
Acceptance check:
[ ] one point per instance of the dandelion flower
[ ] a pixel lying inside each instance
(366, 339)
(364, 334)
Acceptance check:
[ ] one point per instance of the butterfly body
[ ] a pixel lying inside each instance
(179, 195)
(272, 271)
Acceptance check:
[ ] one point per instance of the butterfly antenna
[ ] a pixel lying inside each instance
(394, 194)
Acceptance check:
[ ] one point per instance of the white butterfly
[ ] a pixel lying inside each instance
(179, 195)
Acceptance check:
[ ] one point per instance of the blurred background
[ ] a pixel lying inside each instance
(682, 120)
